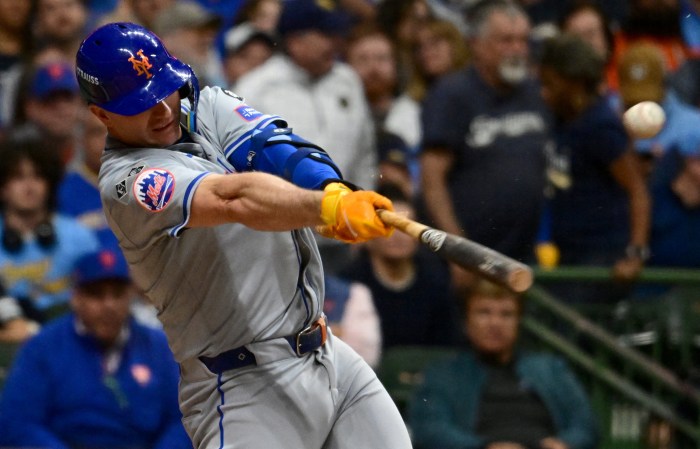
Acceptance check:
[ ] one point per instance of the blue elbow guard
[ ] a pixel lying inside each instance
(279, 151)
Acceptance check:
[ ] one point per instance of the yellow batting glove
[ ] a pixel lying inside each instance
(351, 216)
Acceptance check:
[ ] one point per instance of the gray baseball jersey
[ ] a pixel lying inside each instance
(222, 287)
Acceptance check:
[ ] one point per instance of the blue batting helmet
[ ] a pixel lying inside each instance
(125, 68)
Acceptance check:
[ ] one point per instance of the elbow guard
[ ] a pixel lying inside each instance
(280, 152)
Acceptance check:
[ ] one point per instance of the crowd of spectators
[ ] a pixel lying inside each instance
(499, 120)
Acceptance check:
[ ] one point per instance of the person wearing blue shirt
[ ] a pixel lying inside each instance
(670, 157)
(680, 129)
(494, 395)
(94, 378)
(675, 188)
(38, 247)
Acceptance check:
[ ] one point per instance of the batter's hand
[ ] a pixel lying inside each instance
(351, 216)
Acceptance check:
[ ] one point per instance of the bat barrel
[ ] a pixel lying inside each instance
(468, 254)
(520, 279)
(480, 259)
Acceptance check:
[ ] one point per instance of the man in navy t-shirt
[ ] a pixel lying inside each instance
(485, 130)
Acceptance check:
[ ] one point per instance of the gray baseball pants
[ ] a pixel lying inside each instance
(328, 399)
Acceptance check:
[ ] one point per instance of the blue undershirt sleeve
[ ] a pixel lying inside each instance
(280, 152)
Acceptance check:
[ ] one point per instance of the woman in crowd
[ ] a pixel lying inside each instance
(593, 171)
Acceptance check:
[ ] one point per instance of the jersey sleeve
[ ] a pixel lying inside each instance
(224, 119)
(151, 198)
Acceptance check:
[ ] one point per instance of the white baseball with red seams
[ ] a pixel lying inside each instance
(644, 120)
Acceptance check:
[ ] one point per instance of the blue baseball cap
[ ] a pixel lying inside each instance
(53, 77)
(305, 15)
(393, 149)
(105, 264)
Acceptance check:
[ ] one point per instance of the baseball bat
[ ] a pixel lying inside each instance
(467, 254)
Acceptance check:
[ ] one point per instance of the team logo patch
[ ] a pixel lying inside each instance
(154, 188)
(141, 66)
(121, 189)
(135, 170)
(247, 113)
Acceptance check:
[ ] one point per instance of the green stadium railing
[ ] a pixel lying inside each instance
(633, 390)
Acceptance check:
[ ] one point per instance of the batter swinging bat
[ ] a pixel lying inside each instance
(465, 253)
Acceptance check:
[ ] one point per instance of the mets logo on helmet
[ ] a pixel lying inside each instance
(141, 66)
(154, 188)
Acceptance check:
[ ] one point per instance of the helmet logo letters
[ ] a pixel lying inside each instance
(141, 66)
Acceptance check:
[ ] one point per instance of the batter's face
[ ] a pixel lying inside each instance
(103, 307)
(492, 326)
(157, 127)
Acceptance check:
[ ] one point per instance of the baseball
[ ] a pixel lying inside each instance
(644, 120)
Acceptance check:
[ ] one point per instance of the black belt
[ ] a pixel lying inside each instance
(303, 342)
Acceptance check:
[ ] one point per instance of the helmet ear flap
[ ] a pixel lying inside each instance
(91, 93)
(185, 91)
(190, 90)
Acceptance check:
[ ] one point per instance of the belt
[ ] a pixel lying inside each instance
(308, 339)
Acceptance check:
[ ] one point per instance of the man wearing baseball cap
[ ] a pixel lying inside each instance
(94, 377)
(51, 106)
(189, 31)
(321, 97)
(246, 47)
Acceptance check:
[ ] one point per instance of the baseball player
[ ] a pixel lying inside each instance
(196, 186)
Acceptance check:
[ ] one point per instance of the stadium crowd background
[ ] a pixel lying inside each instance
(388, 88)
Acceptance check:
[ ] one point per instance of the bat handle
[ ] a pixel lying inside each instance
(408, 226)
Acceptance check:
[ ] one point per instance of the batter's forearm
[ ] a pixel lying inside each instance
(257, 200)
